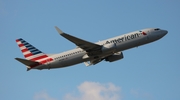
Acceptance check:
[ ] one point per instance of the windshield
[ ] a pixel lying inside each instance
(156, 29)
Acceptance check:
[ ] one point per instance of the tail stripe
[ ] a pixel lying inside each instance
(29, 46)
(25, 43)
(24, 50)
(20, 45)
(38, 58)
(33, 49)
(35, 56)
(28, 55)
(18, 40)
(27, 52)
(36, 52)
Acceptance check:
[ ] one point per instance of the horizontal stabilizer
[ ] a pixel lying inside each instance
(27, 62)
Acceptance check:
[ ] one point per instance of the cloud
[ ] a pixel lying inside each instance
(135, 93)
(141, 94)
(43, 95)
(96, 91)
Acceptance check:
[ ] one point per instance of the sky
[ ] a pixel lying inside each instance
(149, 72)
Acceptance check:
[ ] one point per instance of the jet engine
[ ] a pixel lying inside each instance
(111, 47)
(114, 57)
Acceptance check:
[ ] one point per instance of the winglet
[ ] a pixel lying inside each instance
(59, 31)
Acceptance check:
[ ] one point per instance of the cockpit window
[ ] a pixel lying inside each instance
(156, 29)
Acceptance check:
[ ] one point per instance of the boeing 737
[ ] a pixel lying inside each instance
(90, 53)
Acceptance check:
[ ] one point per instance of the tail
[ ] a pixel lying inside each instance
(29, 51)
(34, 57)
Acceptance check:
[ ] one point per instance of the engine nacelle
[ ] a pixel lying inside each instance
(115, 57)
(109, 47)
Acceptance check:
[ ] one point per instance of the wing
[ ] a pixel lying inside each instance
(90, 48)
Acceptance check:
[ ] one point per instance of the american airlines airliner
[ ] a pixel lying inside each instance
(90, 53)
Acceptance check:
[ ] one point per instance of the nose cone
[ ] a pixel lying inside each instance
(165, 32)
(157, 34)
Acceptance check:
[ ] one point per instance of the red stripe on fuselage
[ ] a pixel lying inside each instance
(46, 60)
(42, 62)
(32, 66)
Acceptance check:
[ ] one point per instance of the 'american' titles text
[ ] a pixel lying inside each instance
(125, 38)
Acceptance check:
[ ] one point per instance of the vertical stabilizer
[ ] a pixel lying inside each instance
(29, 51)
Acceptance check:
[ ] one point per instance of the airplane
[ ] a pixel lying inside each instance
(90, 53)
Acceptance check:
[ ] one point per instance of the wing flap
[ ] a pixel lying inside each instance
(92, 62)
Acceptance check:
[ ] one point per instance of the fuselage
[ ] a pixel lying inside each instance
(119, 43)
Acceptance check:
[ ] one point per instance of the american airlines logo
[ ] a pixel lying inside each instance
(126, 37)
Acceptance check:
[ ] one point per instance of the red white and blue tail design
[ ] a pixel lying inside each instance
(34, 57)
(30, 52)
